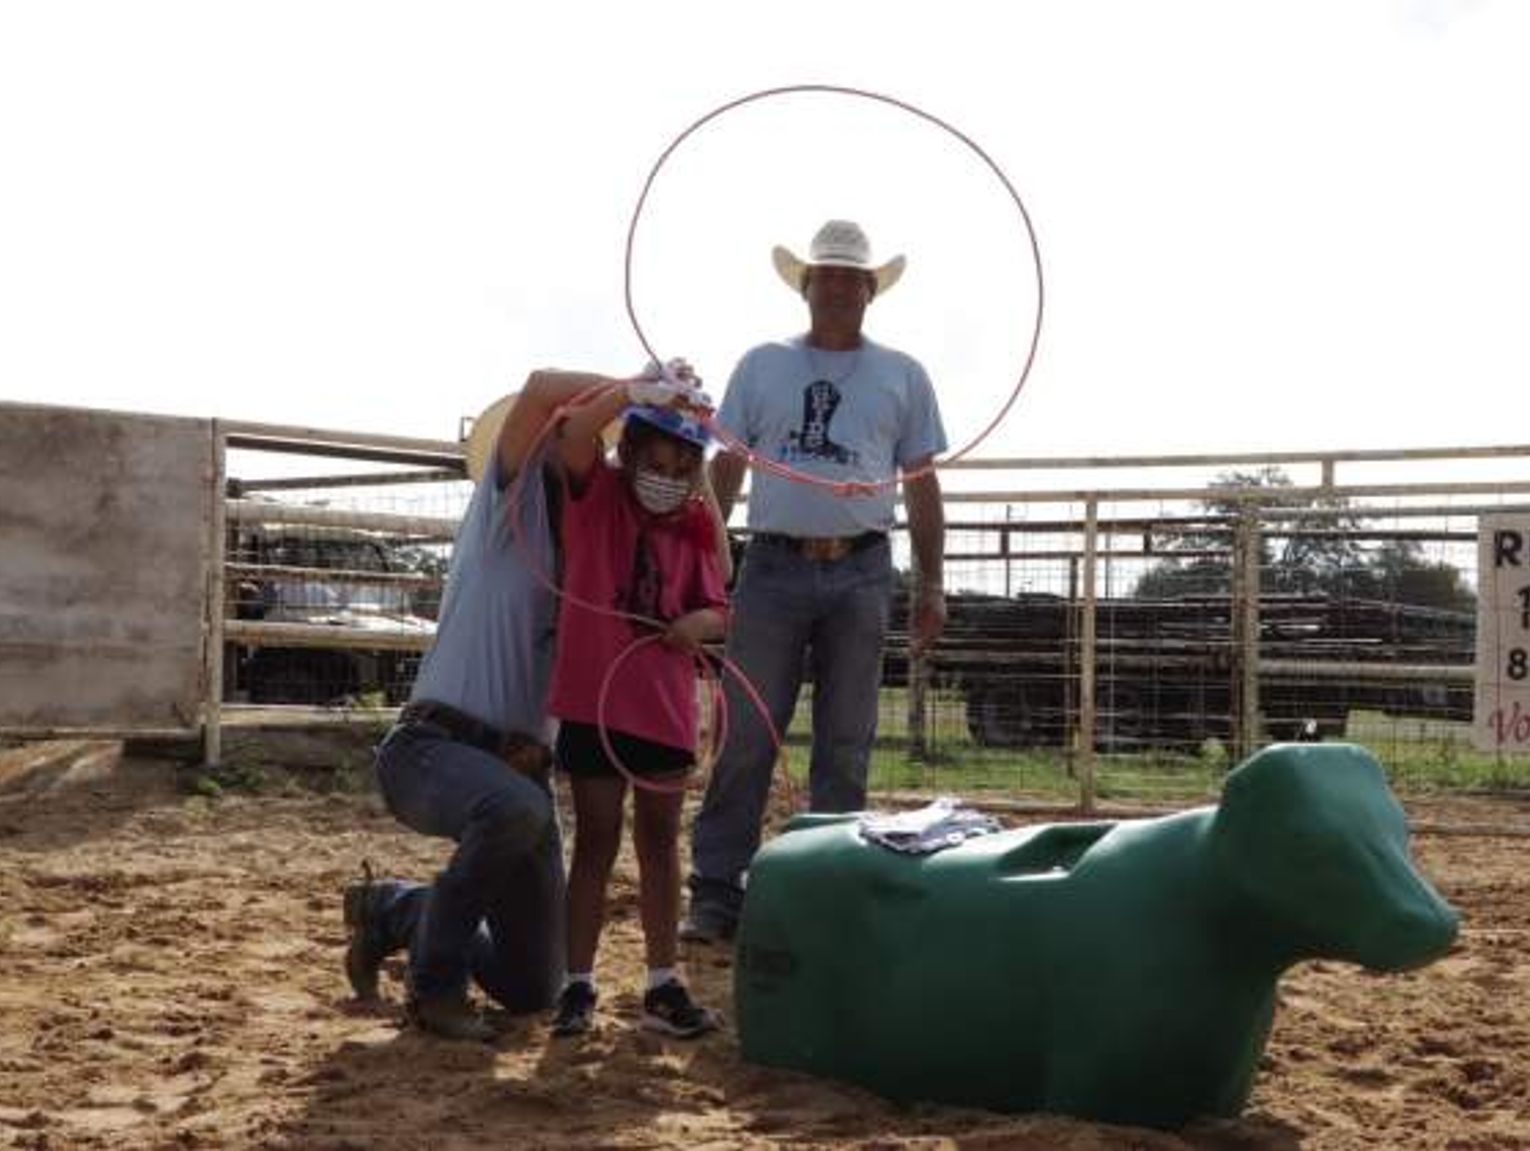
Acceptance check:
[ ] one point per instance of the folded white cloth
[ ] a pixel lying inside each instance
(934, 827)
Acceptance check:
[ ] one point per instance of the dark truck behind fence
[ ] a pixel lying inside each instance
(1168, 671)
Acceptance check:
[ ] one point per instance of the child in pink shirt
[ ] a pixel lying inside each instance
(642, 538)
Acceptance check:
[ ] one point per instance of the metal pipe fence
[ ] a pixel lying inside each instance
(1122, 630)
(328, 580)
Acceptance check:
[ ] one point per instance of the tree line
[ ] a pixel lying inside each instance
(1309, 545)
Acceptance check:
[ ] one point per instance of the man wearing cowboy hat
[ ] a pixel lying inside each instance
(816, 581)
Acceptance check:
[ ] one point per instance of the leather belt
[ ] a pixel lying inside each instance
(821, 549)
(523, 752)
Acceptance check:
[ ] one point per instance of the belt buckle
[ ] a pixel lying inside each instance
(529, 757)
(825, 549)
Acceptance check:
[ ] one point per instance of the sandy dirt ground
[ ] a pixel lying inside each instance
(170, 977)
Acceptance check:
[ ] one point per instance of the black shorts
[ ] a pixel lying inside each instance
(581, 753)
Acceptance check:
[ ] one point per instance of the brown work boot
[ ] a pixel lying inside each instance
(364, 953)
(449, 1016)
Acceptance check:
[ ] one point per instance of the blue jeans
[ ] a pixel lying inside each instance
(495, 914)
(789, 613)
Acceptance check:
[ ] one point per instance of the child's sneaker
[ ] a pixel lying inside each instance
(669, 1009)
(576, 1010)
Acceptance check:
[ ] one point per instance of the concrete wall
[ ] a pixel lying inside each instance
(104, 526)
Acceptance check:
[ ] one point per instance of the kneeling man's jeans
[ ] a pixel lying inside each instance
(496, 912)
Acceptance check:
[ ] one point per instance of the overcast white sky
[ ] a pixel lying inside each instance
(1263, 225)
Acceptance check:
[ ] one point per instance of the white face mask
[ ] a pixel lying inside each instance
(657, 493)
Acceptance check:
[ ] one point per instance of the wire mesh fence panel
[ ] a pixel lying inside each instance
(1124, 644)
(1007, 674)
(1213, 625)
(332, 578)
(1390, 662)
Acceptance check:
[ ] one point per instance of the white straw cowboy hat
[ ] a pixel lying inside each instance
(484, 434)
(838, 244)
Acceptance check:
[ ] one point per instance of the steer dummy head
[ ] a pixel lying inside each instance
(1311, 852)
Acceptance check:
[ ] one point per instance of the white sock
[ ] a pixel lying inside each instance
(585, 977)
(659, 976)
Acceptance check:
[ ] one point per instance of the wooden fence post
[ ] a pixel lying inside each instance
(1245, 622)
(1087, 660)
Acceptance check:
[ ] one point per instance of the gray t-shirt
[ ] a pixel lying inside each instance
(495, 639)
(846, 416)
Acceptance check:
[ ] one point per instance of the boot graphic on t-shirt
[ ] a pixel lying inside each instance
(820, 399)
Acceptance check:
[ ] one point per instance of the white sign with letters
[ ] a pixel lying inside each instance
(1502, 712)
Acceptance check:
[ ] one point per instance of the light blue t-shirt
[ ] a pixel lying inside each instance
(495, 638)
(846, 416)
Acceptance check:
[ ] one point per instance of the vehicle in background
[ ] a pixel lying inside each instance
(1166, 670)
(364, 584)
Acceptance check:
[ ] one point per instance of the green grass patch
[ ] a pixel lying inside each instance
(1419, 755)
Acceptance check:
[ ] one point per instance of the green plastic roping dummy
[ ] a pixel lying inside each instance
(1117, 971)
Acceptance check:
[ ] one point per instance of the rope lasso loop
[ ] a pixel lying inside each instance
(841, 488)
(539, 569)
(682, 781)
(731, 442)
(665, 783)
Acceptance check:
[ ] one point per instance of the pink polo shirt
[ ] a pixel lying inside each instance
(616, 554)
